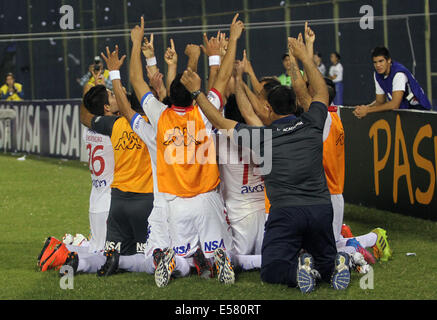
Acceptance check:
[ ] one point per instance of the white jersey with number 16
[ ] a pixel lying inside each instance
(101, 165)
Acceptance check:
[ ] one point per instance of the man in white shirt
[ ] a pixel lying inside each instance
(395, 87)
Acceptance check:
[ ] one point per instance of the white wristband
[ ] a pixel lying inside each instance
(214, 60)
(114, 75)
(151, 61)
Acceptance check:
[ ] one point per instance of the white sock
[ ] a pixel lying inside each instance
(347, 249)
(91, 263)
(149, 265)
(133, 263)
(368, 240)
(248, 262)
(78, 249)
(182, 266)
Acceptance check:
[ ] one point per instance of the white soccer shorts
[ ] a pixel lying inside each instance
(199, 221)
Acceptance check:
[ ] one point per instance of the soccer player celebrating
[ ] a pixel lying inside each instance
(301, 210)
(195, 208)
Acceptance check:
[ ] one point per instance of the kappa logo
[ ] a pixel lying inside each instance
(128, 141)
(179, 138)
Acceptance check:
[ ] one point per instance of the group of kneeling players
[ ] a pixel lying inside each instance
(240, 178)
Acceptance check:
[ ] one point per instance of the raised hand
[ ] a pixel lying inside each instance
(237, 28)
(247, 66)
(170, 56)
(137, 33)
(98, 77)
(112, 61)
(147, 48)
(156, 79)
(238, 69)
(192, 50)
(191, 80)
(297, 48)
(210, 47)
(223, 43)
(310, 36)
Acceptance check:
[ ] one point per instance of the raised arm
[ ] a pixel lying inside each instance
(227, 65)
(310, 38)
(192, 83)
(248, 69)
(171, 58)
(244, 105)
(149, 53)
(114, 64)
(192, 51)
(136, 67)
(299, 85)
(211, 48)
(314, 76)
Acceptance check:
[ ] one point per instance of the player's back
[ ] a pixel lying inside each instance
(241, 187)
(101, 165)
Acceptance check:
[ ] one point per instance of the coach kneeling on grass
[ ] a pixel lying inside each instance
(301, 210)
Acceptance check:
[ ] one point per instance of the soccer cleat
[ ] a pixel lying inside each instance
(157, 256)
(346, 231)
(72, 261)
(306, 281)
(341, 277)
(358, 248)
(203, 266)
(111, 265)
(56, 259)
(358, 263)
(79, 240)
(47, 249)
(165, 268)
(67, 238)
(224, 268)
(381, 249)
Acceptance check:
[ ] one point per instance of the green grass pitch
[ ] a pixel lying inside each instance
(42, 197)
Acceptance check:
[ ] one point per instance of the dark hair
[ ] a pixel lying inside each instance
(281, 98)
(231, 110)
(337, 55)
(381, 51)
(167, 101)
(285, 55)
(331, 89)
(179, 96)
(95, 100)
(269, 84)
(135, 104)
(318, 54)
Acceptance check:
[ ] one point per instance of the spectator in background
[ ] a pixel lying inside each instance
(11, 90)
(336, 75)
(88, 78)
(285, 78)
(318, 61)
(395, 87)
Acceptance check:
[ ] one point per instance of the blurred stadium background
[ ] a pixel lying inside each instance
(48, 60)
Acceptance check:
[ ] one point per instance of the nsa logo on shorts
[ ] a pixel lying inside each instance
(212, 245)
